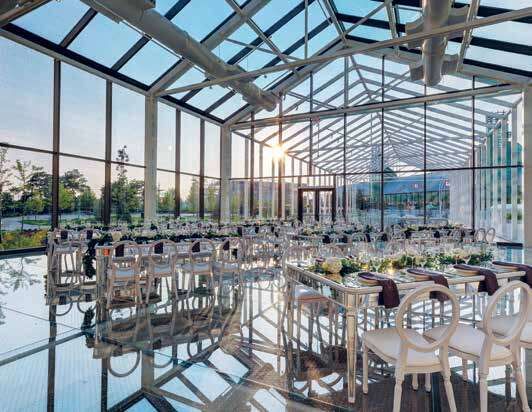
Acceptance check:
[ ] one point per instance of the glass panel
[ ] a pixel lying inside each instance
(166, 137)
(239, 199)
(93, 42)
(81, 185)
(190, 143)
(365, 199)
(238, 156)
(26, 100)
(189, 196)
(165, 193)
(403, 199)
(26, 198)
(199, 19)
(212, 150)
(149, 63)
(82, 117)
(127, 189)
(212, 199)
(54, 19)
(128, 124)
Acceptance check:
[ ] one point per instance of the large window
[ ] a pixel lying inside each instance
(26, 96)
(190, 143)
(82, 130)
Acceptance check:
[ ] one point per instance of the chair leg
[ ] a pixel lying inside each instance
(483, 384)
(364, 368)
(464, 370)
(446, 372)
(520, 383)
(415, 383)
(427, 382)
(399, 376)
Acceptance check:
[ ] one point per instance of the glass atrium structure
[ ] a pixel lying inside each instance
(105, 122)
(136, 112)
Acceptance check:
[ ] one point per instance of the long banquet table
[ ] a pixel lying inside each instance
(352, 296)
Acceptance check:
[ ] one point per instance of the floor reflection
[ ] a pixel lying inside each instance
(207, 351)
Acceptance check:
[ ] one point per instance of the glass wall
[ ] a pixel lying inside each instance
(92, 114)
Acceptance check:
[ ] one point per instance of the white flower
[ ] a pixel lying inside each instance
(332, 265)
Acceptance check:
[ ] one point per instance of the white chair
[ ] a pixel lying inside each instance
(161, 265)
(409, 351)
(200, 262)
(229, 260)
(486, 347)
(124, 275)
(490, 235)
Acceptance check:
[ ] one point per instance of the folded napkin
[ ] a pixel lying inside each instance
(437, 277)
(326, 239)
(226, 245)
(345, 239)
(368, 237)
(119, 250)
(527, 278)
(489, 284)
(90, 233)
(196, 248)
(64, 234)
(257, 228)
(159, 248)
(239, 230)
(389, 297)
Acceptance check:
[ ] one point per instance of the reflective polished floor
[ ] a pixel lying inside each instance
(227, 351)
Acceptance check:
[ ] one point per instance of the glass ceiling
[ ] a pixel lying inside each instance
(502, 51)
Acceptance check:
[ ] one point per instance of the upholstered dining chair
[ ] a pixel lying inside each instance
(408, 350)
(488, 348)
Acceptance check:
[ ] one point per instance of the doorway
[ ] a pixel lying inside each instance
(315, 204)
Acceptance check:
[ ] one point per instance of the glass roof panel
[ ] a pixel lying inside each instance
(510, 31)
(273, 11)
(149, 63)
(199, 18)
(54, 19)
(191, 76)
(93, 42)
(162, 6)
(517, 61)
(229, 107)
(360, 8)
(207, 96)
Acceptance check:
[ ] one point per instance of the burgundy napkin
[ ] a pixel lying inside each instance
(89, 234)
(159, 248)
(196, 247)
(240, 230)
(389, 296)
(489, 284)
(257, 228)
(527, 278)
(119, 250)
(225, 245)
(64, 234)
(326, 239)
(437, 277)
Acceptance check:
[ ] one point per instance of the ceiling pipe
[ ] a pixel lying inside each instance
(13, 9)
(142, 15)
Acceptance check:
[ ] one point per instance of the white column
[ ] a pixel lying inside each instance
(261, 182)
(514, 185)
(150, 159)
(225, 171)
(504, 141)
(246, 175)
(527, 161)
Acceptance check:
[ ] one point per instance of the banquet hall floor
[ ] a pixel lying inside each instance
(206, 353)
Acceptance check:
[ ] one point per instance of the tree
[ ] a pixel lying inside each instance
(5, 174)
(87, 200)
(66, 199)
(24, 171)
(193, 196)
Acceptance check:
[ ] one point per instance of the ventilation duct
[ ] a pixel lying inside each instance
(142, 15)
(434, 63)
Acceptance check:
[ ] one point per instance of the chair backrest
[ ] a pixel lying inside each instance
(408, 300)
(231, 250)
(480, 235)
(513, 335)
(162, 253)
(490, 235)
(124, 259)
